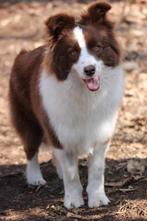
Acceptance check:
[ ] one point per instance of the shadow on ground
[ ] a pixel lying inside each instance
(46, 203)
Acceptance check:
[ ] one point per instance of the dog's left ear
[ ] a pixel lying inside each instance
(96, 12)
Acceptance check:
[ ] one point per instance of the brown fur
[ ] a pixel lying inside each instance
(65, 53)
(97, 14)
(99, 33)
(102, 43)
(27, 114)
(57, 23)
(62, 48)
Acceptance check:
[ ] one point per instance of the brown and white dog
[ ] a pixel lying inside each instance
(67, 94)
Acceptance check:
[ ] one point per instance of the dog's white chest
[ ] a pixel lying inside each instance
(79, 117)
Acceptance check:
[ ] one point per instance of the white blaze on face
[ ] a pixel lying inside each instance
(86, 59)
(78, 34)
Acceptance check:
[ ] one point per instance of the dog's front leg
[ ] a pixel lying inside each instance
(72, 186)
(96, 166)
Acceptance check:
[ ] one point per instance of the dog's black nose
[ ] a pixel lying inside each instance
(89, 70)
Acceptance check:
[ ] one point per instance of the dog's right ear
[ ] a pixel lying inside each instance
(57, 23)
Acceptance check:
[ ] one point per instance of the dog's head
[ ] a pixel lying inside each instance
(84, 47)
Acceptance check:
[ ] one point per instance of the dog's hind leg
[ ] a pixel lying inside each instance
(32, 140)
(31, 135)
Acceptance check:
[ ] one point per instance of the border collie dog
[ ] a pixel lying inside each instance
(67, 94)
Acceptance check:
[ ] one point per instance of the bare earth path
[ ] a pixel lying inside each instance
(21, 26)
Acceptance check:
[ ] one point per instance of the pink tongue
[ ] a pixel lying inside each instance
(93, 84)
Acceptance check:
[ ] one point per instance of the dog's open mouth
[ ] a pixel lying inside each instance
(93, 84)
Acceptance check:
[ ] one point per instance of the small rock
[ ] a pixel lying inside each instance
(135, 166)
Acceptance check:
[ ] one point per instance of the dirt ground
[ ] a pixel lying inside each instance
(22, 26)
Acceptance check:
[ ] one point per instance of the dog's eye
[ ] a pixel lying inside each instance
(98, 48)
(73, 54)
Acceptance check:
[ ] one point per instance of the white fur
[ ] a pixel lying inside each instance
(73, 189)
(96, 166)
(81, 119)
(85, 58)
(33, 173)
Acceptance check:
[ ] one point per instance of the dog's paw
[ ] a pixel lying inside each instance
(72, 200)
(36, 180)
(97, 199)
